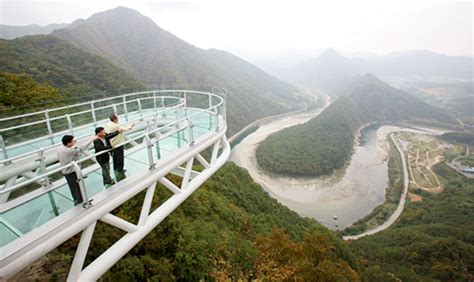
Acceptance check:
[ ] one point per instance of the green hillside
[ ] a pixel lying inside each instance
(73, 71)
(12, 32)
(160, 59)
(382, 102)
(465, 138)
(433, 239)
(316, 147)
(230, 229)
(325, 143)
(20, 90)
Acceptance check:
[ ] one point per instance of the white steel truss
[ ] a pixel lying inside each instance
(38, 242)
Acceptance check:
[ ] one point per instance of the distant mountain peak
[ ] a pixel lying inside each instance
(371, 81)
(370, 78)
(331, 53)
(123, 10)
(119, 12)
(332, 57)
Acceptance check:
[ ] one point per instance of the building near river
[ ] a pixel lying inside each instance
(469, 170)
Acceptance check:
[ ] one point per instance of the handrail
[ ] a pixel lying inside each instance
(85, 125)
(78, 113)
(106, 99)
(160, 137)
(93, 109)
(62, 132)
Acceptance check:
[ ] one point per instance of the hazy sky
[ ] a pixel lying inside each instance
(259, 29)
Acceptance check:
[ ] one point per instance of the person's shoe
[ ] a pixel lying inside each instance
(119, 175)
(111, 182)
(87, 205)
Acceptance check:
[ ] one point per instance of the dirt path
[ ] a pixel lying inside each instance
(414, 197)
(429, 162)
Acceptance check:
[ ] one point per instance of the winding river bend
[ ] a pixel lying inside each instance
(335, 201)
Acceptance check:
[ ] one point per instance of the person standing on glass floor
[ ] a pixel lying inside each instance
(102, 143)
(118, 151)
(67, 154)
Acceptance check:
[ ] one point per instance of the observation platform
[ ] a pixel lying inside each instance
(171, 130)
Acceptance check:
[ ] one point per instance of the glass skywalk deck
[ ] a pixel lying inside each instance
(164, 126)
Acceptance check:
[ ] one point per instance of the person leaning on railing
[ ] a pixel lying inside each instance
(118, 151)
(67, 154)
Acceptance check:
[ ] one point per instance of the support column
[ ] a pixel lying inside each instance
(150, 192)
(69, 124)
(4, 197)
(187, 173)
(81, 252)
(48, 125)
(125, 109)
(3, 147)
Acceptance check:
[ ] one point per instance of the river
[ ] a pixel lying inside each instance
(335, 201)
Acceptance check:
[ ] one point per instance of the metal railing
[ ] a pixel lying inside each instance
(39, 220)
(150, 137)
(124, 101)
(66, 119)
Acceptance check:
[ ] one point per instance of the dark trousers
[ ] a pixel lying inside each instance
(117, 156)
(73, 184)
(106, 173)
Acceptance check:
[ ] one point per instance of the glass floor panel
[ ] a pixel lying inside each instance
(29, 215)
(8, 234)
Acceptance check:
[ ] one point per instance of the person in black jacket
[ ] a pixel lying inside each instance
(102, 143)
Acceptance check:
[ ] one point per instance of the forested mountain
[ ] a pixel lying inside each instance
(12, 32)
(73, 71)
(325, 143)
(19, 90)
(379, 101)
(160, 59)
(229, 229)
(335, 73)
(432, 241)
(316, 147)
(465, 138)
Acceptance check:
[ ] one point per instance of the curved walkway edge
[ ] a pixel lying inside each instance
(396, 214)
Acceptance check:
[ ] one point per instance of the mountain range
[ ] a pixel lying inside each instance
(12, 32)
(231, 229)
(72, 70)
(335, 73)
(326, 142)
(132, 45)
(160, 59)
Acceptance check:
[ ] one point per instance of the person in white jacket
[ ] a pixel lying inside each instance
(68, 153)
(118, 151)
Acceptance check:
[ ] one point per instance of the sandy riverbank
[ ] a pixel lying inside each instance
(350, 197)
